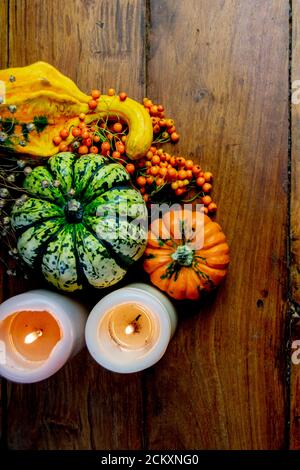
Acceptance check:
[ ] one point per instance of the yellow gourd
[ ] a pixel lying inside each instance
(41, 97)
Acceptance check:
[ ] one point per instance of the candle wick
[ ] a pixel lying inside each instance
(138, 317)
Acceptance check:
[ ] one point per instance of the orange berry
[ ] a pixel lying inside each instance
(186, 182)
(175, 137)
(189, 174)
(212, 207)
(163, 164)
(122, 96)
(179, 191)
(207, 187)
(160, 152)
(96, 94)
(142, 190)
(163, 157)
(153, 149)
(63, 147)
(165, 135)
(156, 129)
(160, 108)
(150, 180)
(154, 120)
(170, 130)
(130, 168)
(124, 138)
(85, 134)
(169, 122)
(94, 149)
(162, 123)
(148, 164)
(148, 103)
(83, 149)
(146, 197)
(111, 92)
(76, 132)
(120, 147)
(172, 173)
(154, 110)
(155, 160)
(196, 170)
(82, 125)
(200, 181)
(206, 200)
(180, 184)
(208, 176)
(149, 155)
(57, 140)
(105, 148)
(64, 133)
(159, 181)
(117, 127)
(181, 174)
(180, 161)
(189, 164)
(96, 138)
(154, 170)
(205, 210)
(82, 116)
(173, 161)
(93, 104)
(87, 142)
(116, 154)
(162, 172)
(174, 185)
(141, 181)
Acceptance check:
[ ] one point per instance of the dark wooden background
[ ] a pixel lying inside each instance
(221, 68)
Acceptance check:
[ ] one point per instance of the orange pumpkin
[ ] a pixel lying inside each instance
(176, 259)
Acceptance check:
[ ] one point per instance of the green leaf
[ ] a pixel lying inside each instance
(40, 122)
(25, 132)
(8, 125)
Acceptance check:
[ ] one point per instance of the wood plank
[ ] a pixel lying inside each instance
(98, 44)
(3, 63)
(3, 33)
(295, 229)
(221, 70)
(295, 184)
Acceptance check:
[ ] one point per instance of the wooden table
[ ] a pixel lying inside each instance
(221, 68)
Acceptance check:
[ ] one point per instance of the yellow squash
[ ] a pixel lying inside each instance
(39, 101)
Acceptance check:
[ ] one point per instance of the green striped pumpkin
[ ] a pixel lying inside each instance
(73, 226)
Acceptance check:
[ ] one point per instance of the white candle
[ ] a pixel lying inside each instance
(130, 329)
(39, 331)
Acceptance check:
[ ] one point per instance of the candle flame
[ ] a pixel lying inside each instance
(33, 336)
(129, 329)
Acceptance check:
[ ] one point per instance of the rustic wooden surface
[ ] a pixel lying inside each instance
(221, 70)
(294, 323)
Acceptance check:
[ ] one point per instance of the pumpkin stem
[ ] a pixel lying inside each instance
(73, 211)
(184, 255)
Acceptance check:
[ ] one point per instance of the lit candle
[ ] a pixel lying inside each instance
(39, 331)
(130, 329)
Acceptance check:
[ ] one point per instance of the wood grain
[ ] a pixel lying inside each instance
(3, 33)
(93, 42)
(295, 228)
(221, 70)
(3, 64)
(98, 43)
